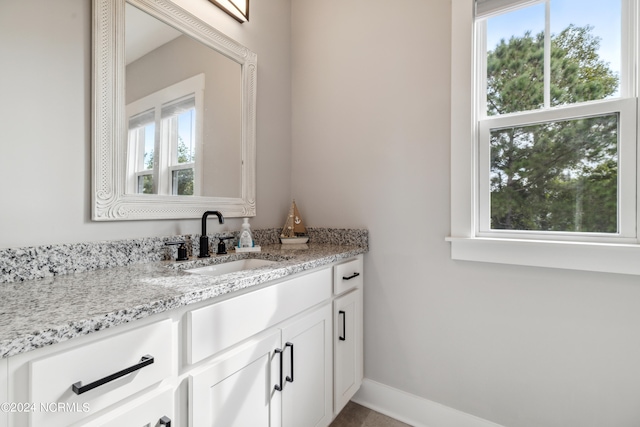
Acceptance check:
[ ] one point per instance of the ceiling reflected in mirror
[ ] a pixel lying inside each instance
(144, 33)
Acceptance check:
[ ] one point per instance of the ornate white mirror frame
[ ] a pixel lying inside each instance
(110, 202)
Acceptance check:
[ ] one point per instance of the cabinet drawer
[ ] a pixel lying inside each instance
(347, 275)
(51, 377)
(148, 411)
(221, 325)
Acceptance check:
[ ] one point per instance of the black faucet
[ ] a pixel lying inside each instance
(204, 239)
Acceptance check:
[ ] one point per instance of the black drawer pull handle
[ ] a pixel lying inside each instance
(279, 386)
(351, 277)
(165, 421)
(78, 388)
(344, 325)
(290, 378)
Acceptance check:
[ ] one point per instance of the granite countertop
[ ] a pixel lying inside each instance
(41, 312)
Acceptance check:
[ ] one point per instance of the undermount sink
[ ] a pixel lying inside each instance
(231, 267)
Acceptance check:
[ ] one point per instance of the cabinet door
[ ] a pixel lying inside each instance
(306, 395)
(348, 347)
(239, 389)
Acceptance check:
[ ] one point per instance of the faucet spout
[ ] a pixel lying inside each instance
(204, 239)
(204, 220)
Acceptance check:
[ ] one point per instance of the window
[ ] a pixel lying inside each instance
(544, 166)
(164, 141)
(142, 131)
(178, 122)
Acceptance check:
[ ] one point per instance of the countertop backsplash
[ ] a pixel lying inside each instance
(124, 281)
(37, 262)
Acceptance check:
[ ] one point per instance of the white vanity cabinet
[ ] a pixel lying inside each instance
(287, 353)
(282, 377)
(348, 331)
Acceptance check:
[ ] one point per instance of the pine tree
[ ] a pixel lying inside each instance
(557, 176)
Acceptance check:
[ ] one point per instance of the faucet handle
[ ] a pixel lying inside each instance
(222, 249)
(182, 249)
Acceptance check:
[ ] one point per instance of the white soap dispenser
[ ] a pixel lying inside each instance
(246, 238)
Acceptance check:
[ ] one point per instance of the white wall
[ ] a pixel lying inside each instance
(517, 346)
(45, 102)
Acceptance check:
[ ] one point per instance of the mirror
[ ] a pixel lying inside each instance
(173, 115)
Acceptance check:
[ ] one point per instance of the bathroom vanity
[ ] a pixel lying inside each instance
(154, 344)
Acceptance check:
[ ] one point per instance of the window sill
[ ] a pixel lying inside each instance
(586, 256)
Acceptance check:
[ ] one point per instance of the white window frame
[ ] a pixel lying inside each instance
(164, 160)
(135, 159)
(171, 129)
(169, 144)
(606, 253)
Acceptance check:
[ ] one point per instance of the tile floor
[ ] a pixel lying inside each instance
(354, 415)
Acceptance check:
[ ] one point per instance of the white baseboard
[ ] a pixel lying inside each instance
(413, 410)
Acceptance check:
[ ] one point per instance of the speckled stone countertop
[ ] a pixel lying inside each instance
(45, 311)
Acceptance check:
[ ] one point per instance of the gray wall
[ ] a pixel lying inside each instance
(518, 346)
(45, 89)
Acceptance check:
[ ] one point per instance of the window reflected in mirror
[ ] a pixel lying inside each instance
(188, 151)
(184, 114)
(164, 137)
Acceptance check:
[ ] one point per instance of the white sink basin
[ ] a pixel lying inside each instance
(231, 267)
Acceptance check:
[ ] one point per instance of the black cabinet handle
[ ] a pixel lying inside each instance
(279, 386)
(165, 421)
(290, 379)
(344, 325)
(78, 388)
(351, 277)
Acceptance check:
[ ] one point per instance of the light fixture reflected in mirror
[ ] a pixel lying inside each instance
(238, 9)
